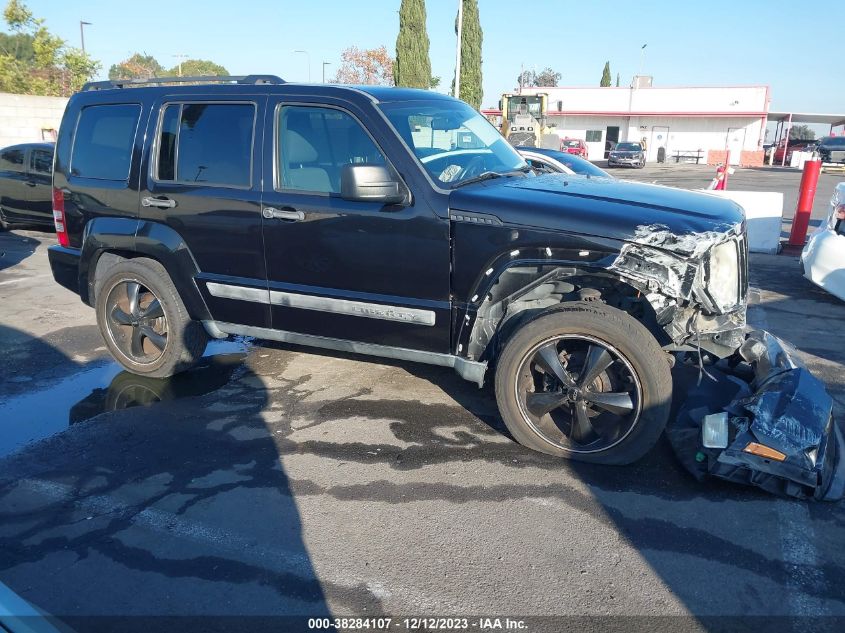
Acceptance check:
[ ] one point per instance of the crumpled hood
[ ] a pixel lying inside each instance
(602, 207)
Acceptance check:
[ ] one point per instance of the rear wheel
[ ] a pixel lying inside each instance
(144, 321)
(587, 382)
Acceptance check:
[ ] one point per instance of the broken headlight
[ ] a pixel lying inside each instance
(722, 276)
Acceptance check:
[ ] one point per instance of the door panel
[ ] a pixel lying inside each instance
(13, 183)
(39, 186)
(360, 271)
(735, 143)
(659, 138)
(202, 178)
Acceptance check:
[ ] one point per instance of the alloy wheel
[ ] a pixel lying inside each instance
(136, 322)
(578, 393)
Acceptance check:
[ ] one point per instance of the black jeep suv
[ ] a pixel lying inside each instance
(397, 223)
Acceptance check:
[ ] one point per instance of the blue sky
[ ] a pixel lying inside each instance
(690, 42)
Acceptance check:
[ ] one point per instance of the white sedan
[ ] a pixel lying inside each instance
(823, 258)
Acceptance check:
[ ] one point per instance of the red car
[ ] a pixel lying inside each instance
(795, 145)
(574, 146)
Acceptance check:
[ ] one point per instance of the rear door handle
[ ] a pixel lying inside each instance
(30, 183)
(161, 203)
(282, 214)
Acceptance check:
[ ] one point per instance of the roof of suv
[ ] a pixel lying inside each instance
(266, 84)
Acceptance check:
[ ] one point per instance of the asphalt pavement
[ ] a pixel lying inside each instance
(276, 480)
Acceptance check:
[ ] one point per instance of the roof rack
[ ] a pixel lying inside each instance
(153, 81)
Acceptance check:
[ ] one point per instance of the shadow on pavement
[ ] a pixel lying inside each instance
(15, 248)
(157, 517)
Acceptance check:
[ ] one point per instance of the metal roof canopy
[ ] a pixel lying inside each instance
(833, 120)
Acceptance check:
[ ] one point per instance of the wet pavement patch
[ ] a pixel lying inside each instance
(102, 386)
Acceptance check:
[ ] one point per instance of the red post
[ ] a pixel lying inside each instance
(806, 195)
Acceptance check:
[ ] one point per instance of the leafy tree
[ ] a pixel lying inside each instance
(605, 76)
(367, 67)
(802, 132)
(471, 39)
(413, 66)
(547, 78)
(526, 78)
(198, 68)
(34, 61)
(18, 46)
(137, 66)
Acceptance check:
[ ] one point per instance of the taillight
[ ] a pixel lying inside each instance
(59, 216)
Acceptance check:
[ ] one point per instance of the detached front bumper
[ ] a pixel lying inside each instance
(781, 434)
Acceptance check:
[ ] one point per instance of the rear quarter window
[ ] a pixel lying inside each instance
(12, 159)
(102, 144)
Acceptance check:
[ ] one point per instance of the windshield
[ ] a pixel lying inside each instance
(520, 105)
(581, 166)
(571, 143)
(835, 141)
(452, 141)
(628, 147)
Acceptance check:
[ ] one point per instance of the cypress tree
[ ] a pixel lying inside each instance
(605, 76)
(413, 66)
(471, 89)
(617, 80)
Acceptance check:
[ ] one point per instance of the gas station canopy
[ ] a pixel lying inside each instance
(833, 120)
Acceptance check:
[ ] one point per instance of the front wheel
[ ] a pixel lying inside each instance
(586, 382)
(144, 322)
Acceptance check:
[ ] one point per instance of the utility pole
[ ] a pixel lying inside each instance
(457, 94)
(324, 70)
(642, 57)
(180, 57)
(307, 57)
(83, 24)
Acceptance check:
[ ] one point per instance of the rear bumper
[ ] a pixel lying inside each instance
(771, 399)
(64, 262)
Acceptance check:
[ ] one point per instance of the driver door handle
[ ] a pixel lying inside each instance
(286, 213)
(161, 203)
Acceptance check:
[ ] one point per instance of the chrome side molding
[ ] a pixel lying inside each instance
(364, 309)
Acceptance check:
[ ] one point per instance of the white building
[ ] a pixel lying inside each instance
(680, 119)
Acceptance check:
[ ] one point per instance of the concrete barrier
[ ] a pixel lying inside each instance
(29, 118)
(763, 214)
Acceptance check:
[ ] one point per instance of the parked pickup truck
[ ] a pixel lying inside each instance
(397, 223)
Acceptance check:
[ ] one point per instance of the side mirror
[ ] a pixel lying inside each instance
(370, 183)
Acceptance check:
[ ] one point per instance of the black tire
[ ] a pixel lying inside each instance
(169, 341)
(637, 360)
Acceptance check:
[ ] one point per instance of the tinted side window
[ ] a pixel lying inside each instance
(102, 146)
(12, 160)
(41, 161)
(315, 143)
(206, 143)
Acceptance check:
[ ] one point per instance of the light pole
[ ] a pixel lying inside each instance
(457, 94)
(642, 57)
(83, 24)
(180, 57)
(308, 57)
(324, 70)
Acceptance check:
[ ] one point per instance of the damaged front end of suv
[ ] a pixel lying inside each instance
(754, 414)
